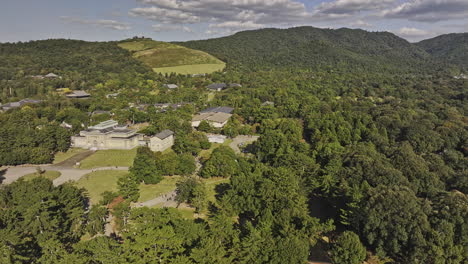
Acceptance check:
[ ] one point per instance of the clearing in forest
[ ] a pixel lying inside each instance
(166, 57)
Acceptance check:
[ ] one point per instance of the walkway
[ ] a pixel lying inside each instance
(165, 200)
(67, 174)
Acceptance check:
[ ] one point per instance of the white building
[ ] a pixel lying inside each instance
(109, 135)
(216, 116)
(162, 141)
(213, 138)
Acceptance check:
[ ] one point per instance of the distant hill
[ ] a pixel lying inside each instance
(166, 57)
(88, 61)
(309, 47)
(451, 48)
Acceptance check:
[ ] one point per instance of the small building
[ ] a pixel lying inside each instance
(19, 104)
(52, 76)
(66, 125)
(215, 116)
(101, 112)
(268, 103)
(78, 94)
(235, 85)
(213, 138)
(170, 86)
(162, 141)
(218, 87)
(112, 95)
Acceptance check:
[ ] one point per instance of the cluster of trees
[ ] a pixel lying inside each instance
(31, 136)
(149, 167)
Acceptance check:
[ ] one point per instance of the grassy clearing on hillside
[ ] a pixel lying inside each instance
(109, 158)
(191, 69)
(100, 181)
(168, 58)
(174, 56)
(62, 156)
(51, 175)
(143, 44)
(151, 191)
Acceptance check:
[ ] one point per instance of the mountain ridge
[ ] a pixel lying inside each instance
(315, 48)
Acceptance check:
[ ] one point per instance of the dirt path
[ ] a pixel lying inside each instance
(69, 163)
(245, 140)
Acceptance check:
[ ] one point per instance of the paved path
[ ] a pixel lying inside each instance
(67, 174)
(242, 140)
(165, 200)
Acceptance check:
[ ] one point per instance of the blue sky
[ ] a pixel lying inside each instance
(175, 20)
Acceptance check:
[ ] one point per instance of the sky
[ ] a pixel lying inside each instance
(179, 20)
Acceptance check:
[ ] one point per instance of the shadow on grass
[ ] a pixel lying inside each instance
(2, 175)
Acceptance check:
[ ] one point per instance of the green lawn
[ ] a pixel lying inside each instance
(211, 185)
(151, 191)
(206, 153)
(211, 97)
(62, 156)
(100, 181)
(166, 57)
(109, 158)
(51, 175)
(192, 69)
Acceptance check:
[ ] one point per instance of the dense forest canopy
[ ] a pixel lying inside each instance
(81, 64)
(354, 160)
(308, 47)
(452, 48)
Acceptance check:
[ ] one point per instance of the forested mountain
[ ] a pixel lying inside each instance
(95, 60)
(309, 47)
(81, 65)
(452, 48)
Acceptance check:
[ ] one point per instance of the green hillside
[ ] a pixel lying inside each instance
(314, 48)
(165, 57)
(451, 48)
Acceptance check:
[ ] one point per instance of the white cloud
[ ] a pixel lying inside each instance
(168, 27)
(414, 34)
(429, 10)
(248, 12)
(352, 6)
(361, 24)
(237, 25)
(112, 24)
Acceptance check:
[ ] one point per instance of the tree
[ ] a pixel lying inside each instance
(192, 191)
(145, 168)
(96, 220)
(205, 127)
(128, 187)
(394, 222)
(348, 249)
(186, 164)
(222, 163)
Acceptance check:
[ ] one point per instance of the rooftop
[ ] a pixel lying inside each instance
(78, 93)
(105, 125)
(219, 109)
(217, 86)
(164, 134)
